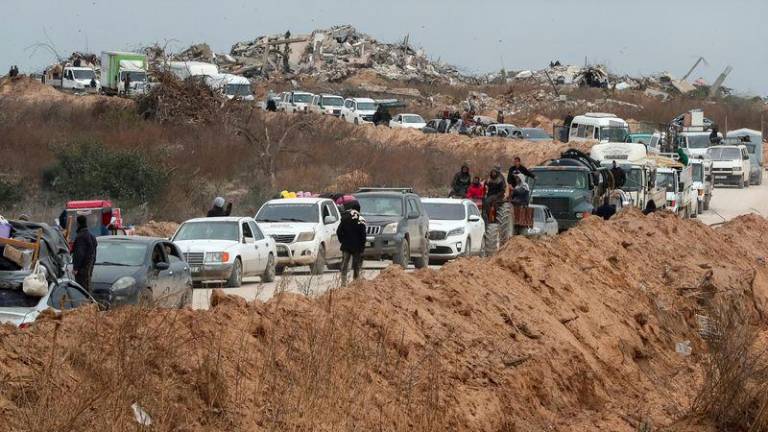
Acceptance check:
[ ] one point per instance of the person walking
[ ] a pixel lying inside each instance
(218, 210)
(351, 233)
(83, 254)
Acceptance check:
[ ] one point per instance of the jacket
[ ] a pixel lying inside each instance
(605, 211)
(460, 184)
(351, 232)
(220, 212)
(476, 191)
(84, 250)
(520, 196)
(496, 187)
(519, 170)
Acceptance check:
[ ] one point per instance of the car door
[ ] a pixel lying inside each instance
(415, 227)
(249, 250)
(476, 226)
(181, 277)
(262, 247)
(333, 245)
(160, 279)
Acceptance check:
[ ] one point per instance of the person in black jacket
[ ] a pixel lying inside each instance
(460, 183)
(606, 211)
(351, 233)
(518, 168)
(83, 254)
(496, 189)
(218, 210)
(619, 177)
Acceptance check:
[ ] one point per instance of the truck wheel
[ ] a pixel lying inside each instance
(403, 257)
(706, 204)
(269, 272)
(422, 261)
(504, 218)
(491, 239)
(700, 207)
(741, 183)
(236, 278)
(319, 266)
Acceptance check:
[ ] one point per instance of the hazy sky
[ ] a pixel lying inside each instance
(630, 36)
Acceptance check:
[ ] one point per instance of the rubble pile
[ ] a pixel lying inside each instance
(176, 101)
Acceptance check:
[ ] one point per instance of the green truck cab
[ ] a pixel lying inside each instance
(572, 187)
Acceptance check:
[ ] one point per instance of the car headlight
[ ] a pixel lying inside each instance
(306, 236)
(123, 283)
(456, 232)
(216, 257)
(390, 228)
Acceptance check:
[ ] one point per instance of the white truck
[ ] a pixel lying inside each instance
(72, 78)
(640, 170)
(601, 127)
(677, 180)
(121, 68)
(359, 110)
(730, 164)
(296, 101)
(326, 104)
(305, 232)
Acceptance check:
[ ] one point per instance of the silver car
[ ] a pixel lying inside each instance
(544, 224)
(21, 310)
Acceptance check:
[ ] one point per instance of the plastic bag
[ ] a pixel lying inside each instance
(5, 228)
(36, 284)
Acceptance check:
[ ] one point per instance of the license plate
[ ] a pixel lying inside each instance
(721, 177)
(195, 269)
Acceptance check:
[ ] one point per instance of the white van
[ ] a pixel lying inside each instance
(231, 86)
(600, 127)
(187, 69)
(730, 164)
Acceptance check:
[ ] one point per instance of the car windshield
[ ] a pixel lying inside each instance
(283, 212)
(641, 138)
(207, 231)
(698, 141)
(535, 134)
(366, 106)
(634, 179)
(665, 180)
(724, 153)
(698, 172)
(302, 98)
(556, 178)
(413, 119)
(84, 74)
(333, 101)
(614, 134)
(443, 211)
(135, 76)
(380, 206)
(239, 90)
(120, 253)
(17, 299)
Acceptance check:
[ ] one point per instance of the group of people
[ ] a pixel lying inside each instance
(494, 187)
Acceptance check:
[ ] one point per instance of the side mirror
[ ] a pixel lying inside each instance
(328, 220)
(413, 215)
(474, 218)
(162, 266)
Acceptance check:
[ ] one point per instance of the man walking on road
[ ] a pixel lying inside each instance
(83, 254)
(351, 234)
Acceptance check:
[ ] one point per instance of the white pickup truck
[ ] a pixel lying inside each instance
(305, 231)
(677, 179)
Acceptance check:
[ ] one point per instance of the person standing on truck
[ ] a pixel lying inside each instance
(83, 254)
(714, 137)
(127, 87)
(460, 183)
(496, 189)
(218, 210)
(518, 168)
(521, 193)
(619, 176)
(606, 211)
(351, 233)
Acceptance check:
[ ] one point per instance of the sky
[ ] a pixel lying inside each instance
(630, 37)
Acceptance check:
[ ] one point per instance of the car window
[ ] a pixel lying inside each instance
(472, 209)
(172, 252)
(257, 234)
(158, 254)
(413, 207)
(329, 210)
(247, 231)
(65, 296)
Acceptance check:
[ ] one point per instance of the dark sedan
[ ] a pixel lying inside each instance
(133, 270)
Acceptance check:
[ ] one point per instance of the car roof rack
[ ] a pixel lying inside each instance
(404, 190)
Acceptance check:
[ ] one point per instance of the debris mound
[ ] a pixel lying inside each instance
(557, 335)
(175, 101)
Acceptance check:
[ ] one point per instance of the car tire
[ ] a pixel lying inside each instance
(403, 257)
(700, 208)
(186, 298)
(146, 299)
(269, 272)
(236, 277)
(706, 204)
(741, 183)
(423, 260)
(279, 270)
(318, 267)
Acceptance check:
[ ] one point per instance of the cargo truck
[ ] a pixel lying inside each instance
(119, 68)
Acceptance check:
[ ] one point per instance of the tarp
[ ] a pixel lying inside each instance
(54, 252)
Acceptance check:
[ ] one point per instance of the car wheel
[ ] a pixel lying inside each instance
(403, 257)
(269, 272)
(319, 266)
(700, 207)
(422, 261)
(186, 298)
(706, 204)
(236, 278)
(145, 298)
(741, 183)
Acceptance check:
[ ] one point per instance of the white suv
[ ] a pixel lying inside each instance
(305, 231)
(327, 105)
(455, 228)
(359, 110)
(730, 164)
(226, 249)
(295, 102)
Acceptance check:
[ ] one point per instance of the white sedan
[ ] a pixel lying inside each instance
(226, 249)
(456, 228)
(407, 121)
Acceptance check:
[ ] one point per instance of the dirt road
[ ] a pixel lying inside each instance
(729, 202)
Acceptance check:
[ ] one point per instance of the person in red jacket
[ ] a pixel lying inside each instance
(476, 190)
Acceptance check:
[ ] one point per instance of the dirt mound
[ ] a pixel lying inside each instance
(28, 90)
(574, 333)
(157, 229)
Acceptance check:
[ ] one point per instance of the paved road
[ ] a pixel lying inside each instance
(727, 203)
